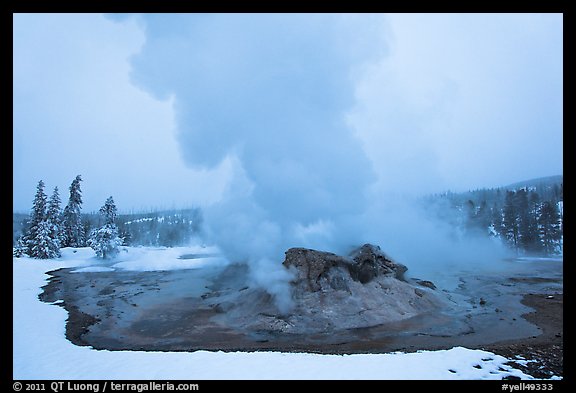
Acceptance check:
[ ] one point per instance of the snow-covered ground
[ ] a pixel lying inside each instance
(41, 350)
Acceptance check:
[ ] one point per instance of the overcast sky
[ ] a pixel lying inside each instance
(176, 111)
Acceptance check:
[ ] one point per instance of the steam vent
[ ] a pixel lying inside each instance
(332, 292)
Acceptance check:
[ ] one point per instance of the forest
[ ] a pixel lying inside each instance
(48, 228)
(527, 216)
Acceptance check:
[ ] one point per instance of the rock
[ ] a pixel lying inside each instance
(370, 261)
(338, 283)
(331, 292)
(424, 283)
(311, 264)
(363, 265)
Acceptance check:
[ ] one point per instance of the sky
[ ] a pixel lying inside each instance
(288, 118)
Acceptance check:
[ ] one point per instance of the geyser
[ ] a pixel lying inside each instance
(332, 292)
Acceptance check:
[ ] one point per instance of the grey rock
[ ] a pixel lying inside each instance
(332, 292)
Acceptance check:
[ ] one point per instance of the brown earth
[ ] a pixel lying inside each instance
(546, 350)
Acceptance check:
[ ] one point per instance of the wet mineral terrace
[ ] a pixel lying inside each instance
(178, 310)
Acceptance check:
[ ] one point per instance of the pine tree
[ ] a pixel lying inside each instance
(109, 211)
(470, 223)
(86, 228)
(484, 218)
(105, 240)
(40, 240)
(37, 215)
(496, 219)
(510, 219)
(72, 232)
(53, 218)
(44, 246)
(526, 237)
(549, 225)
(20, 248)
(530, 237)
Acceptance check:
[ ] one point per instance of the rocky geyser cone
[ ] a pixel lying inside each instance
(363, 265)
(332, 292)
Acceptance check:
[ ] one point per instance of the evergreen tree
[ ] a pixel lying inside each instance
(105, 240)
(481, 212)
(109, 211)
(510, 220)
(73, 234)
(86, 228)
(525, 235)
(484, 218)
(19, 249)
(37, 215)
(530, 236)
(549, 227)
(43, 245)
(470, 223)
(53, 218)
(497, 221)
(126, 236)
(40, 240)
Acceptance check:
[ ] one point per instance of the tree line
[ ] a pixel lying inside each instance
(168, 228)
(529, 219)
(49, 228)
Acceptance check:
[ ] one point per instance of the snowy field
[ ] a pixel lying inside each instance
(41, 350)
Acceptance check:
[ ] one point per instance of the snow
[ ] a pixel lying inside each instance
(41, 350)
(161, 258)
(540, 259)
(139, 220)
(143, 259)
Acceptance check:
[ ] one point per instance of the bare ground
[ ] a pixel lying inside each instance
(546, 350)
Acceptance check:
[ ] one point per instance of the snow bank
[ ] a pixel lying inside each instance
(154, 259)
(141, 259)
(558, 258)
(41, 350)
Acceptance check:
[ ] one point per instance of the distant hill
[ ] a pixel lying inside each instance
(540, 182)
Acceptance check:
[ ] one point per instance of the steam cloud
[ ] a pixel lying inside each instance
(270, 94)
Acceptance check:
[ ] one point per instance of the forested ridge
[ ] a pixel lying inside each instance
(527, 216)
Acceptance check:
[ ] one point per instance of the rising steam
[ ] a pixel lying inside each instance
(270, 94)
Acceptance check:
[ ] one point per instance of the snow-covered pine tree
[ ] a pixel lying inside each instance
(105, 240)
(54, 222)
(37, 215)
(39, 240)
(109, 211)
(72, 229)
(20, 248)
(44, 246)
